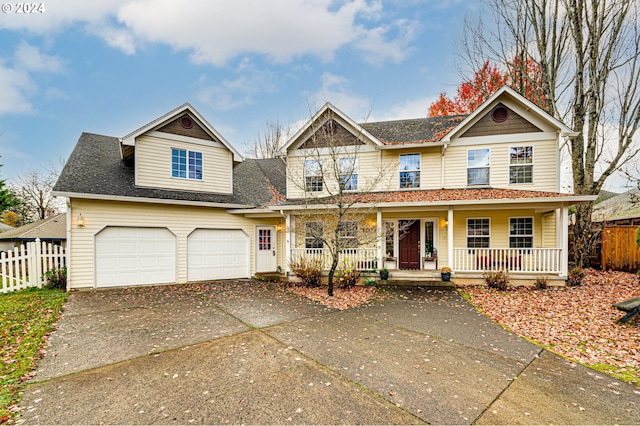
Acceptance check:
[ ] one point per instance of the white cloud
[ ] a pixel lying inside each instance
(15, 90)
(412, 108)
(233, 94)
(216, 31)
(335, 89)
(17, 85)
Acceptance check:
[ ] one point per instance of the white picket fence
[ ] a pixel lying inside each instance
(24, 266)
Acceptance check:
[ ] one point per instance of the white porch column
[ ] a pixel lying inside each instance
(564, 260)
(450, 237)
(379, 239)
(287, 241)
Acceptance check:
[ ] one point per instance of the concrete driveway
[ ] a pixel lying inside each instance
(248, 352)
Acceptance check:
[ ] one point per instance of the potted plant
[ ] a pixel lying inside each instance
(445, 273)
(384, 274)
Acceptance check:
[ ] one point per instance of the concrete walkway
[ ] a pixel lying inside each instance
(247, 352)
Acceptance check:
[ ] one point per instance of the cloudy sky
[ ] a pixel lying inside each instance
(110, 66)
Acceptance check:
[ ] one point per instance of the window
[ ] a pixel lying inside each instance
(313, 235)
(389, 238)
(521, 232)
(410, 171)
(348, 167)
(313, 175)
(478, 167)
(186, 164)
(478, 233)
(429, 240)
(521, 164)
(348, 234)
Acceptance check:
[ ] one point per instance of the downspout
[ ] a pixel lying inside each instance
(68, 247)
(287, 241)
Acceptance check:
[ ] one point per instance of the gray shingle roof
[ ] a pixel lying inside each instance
(96, 167)
(418, 130)
(50, 228)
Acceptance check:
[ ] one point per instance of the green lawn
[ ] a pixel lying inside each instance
(25, 318)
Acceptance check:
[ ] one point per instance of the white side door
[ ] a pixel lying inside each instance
(266, 259)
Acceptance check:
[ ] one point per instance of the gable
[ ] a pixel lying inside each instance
(186, 126)
(500, 120)
(331, 134)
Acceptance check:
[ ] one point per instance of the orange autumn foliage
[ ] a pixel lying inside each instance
(485, 82)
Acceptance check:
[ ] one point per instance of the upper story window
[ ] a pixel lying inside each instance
(478, 233)
(521, 164)
(186, 164)
(521, 232)
(478, 166)
(410, 171)
(313, 175)
(348, 167)
(313, 235)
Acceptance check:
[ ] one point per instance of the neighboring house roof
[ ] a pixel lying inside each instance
(474, 196)
(50, 228)
(419, 130)
(95, 169)
(622, 206)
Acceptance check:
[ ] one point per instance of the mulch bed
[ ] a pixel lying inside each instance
(578, 322)
(342, 298)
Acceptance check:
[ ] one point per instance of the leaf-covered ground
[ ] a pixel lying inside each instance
(26, 317)
(578, 322)
(342, 298)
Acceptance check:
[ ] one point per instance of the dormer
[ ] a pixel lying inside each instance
(181, 151)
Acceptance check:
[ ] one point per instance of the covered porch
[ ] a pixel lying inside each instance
(414, 242)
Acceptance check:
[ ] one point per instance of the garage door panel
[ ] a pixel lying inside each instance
(217, 254)
(133, 256)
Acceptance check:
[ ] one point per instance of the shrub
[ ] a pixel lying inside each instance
(575, 276)
(347, 276)
(56, 279)
(309, 270)
(542, 283)
(369, 282)
(498, 280)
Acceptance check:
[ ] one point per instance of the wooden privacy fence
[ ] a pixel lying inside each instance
(24, 266)
(619, 249)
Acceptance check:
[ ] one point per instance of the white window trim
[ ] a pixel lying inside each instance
(419, 154)
(474, 236)
(320, 163)
(533, 160)
(483, 167)
(354, 172)
(187, 174)
(533, 232)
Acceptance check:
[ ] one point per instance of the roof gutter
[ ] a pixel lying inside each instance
(148, 200)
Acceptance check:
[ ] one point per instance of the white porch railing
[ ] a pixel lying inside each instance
(24, 266)
(540, 260)
(358, 258)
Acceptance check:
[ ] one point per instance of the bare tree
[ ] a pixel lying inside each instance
(33, 190)
(338, 201)
(588, 53)
(268, 144)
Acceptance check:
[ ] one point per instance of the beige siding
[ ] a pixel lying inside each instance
(548, 229)
(544, 165)
(180, 220)
(153, 157)
(368, 171)
(499, 226)
(430, 167)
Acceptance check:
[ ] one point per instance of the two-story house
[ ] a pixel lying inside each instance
(174, 201)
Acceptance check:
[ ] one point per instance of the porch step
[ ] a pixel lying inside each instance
(398, 282)
(271, 276)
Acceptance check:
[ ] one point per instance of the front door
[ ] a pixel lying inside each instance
(409, 242)
(266, 260)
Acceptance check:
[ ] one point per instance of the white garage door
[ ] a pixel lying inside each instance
(134, 256)
(214, 254)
